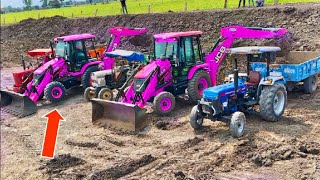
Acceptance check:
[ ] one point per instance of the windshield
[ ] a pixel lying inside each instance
(168, 49)
(60, 49)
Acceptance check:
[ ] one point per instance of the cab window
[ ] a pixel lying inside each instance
(188, 47)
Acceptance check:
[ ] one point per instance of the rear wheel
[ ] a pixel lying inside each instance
(164, 103)
(86, 77)
(54, 92)
(310, 84)
(196, 119)
(90, 93)
(199, 82)
(105, 94)
(237, 124)
(272, 103)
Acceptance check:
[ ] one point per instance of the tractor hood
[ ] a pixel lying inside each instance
(213, 93)
(146, 70)
(55, 63)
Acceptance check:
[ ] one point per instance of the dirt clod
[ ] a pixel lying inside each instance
(82, 144)
(60, 163)
(121, 170)
(192, 142)
(179, 175)
(162, 125)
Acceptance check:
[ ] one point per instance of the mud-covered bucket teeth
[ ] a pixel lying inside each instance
(17, 104)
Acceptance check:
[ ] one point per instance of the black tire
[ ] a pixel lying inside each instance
(54, 92)
(106, 94)
(193, 85)
(237, 124)
(196, 120)
(269, 96)
(89, 93)
(164, 103)
(310, 84)
(85, 79)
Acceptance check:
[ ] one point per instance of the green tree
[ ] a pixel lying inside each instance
(44, 3)
(28, 4)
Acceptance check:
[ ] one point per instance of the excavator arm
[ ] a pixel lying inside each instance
(231, 33)
(117, 34)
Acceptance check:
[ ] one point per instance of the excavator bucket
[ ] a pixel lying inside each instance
(17, 104)
(126, 117)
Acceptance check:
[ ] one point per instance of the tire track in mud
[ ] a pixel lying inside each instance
(123, 169)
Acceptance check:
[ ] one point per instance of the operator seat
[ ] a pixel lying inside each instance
(254, 78)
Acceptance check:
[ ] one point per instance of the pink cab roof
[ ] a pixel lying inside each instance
(74, 37)
(176, 34)
(39, 52)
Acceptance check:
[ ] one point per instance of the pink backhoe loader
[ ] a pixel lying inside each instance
(179, 67)
(71, 67)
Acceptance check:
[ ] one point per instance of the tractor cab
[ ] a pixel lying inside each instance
(254, 54)
(74, 49)
(183, 49)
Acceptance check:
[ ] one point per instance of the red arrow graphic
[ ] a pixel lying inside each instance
(52, 129)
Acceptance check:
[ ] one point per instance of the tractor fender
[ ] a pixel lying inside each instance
(84, 68)
(269, 81)
(195, 69)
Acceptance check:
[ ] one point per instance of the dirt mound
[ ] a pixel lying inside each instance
(60, 163)
(82, 144)
(302, 21)
(123, 169)
(192, 142)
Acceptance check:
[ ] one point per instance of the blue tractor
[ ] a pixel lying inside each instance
(242, 91)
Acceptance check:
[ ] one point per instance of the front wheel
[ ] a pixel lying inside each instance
(196, 119)
(273, 101)
(54, 92)
(105, 94)
(164, 103)
(310, 84)
(89, 93)
(237, 124)
(199, 82)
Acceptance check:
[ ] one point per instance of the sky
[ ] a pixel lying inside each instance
(17, 3)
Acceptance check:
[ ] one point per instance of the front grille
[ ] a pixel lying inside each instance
(206, 109)
(138, 83)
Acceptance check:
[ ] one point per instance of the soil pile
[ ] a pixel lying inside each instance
(302, 21)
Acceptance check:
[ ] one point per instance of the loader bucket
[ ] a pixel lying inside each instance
(17, 104)
(125, 117)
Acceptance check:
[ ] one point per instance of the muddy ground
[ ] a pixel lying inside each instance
(168, 148)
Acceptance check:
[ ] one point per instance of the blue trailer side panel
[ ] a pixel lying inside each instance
(291, 72)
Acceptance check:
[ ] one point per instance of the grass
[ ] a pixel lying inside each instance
(134, 7)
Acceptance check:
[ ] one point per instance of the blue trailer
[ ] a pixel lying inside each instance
(303, 67)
